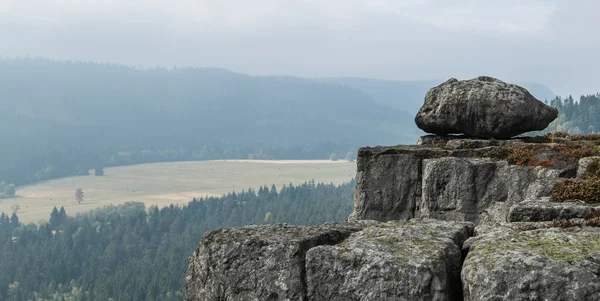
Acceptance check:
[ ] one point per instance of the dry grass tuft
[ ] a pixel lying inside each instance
(587, 137)
(585, 190)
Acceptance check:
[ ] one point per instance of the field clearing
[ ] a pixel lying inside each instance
(170, 183)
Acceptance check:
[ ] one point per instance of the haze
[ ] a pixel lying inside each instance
(544, 41)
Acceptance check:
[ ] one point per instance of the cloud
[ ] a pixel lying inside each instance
(549, 41)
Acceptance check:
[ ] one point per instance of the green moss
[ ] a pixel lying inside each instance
(554, 248)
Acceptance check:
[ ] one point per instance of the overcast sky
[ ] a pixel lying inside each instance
(553, 42)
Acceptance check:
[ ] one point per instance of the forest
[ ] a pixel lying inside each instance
(576, 117)
(130, 252)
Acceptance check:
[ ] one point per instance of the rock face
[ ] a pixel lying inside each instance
(545, 264)
(449, 219)
(482, 107)
(403, 182)
(257, 263)
(418, 260)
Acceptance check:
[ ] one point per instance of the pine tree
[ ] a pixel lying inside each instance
(14, 221)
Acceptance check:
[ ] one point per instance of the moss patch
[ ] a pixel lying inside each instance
(522, 154)
(576, 151)
(585, 190)
(528, 153)
(587, 137)
(593, 169)
(553, 247)
(592, 220)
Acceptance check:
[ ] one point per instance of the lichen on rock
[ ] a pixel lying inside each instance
(482, 107)
(545, 264)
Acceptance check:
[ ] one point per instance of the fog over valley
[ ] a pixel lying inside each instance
(211, 150)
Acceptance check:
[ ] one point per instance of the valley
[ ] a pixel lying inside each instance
(168, 183)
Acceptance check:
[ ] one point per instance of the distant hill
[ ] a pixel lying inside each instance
(55, 114)
(409, 95)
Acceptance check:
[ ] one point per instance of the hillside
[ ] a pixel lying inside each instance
(62, 118)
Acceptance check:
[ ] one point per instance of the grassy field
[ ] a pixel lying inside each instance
(166, 183)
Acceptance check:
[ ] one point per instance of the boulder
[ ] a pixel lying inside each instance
(543, 264)
(418, 260)
(482, 107)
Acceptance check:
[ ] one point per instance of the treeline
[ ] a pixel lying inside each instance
(40, 165)
(130, 252)
(576, 117)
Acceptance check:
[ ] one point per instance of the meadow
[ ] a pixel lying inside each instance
(163, 184)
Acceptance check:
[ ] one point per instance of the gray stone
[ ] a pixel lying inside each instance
(540, 211)
(482, 107)
(418, 260)
(583, 165)
(399, 183)
(544, 264)
(387, 183)
(467, 143)
(479, 190)
(257, 262)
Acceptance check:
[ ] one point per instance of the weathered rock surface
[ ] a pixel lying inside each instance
(545, 264)
(408, 234)
(543, 210)
(399, 183)
(482, 107)
(583, 166)
(257, 262)
(419, 260)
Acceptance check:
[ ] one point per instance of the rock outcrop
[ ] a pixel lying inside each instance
(404, 182)
(416, 260)
(482, 107)
(452, 218)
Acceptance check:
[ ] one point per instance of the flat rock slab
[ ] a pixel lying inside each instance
(482, 107)
(415, 260)
(263, 263)
(542, 211)
(545, 264)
